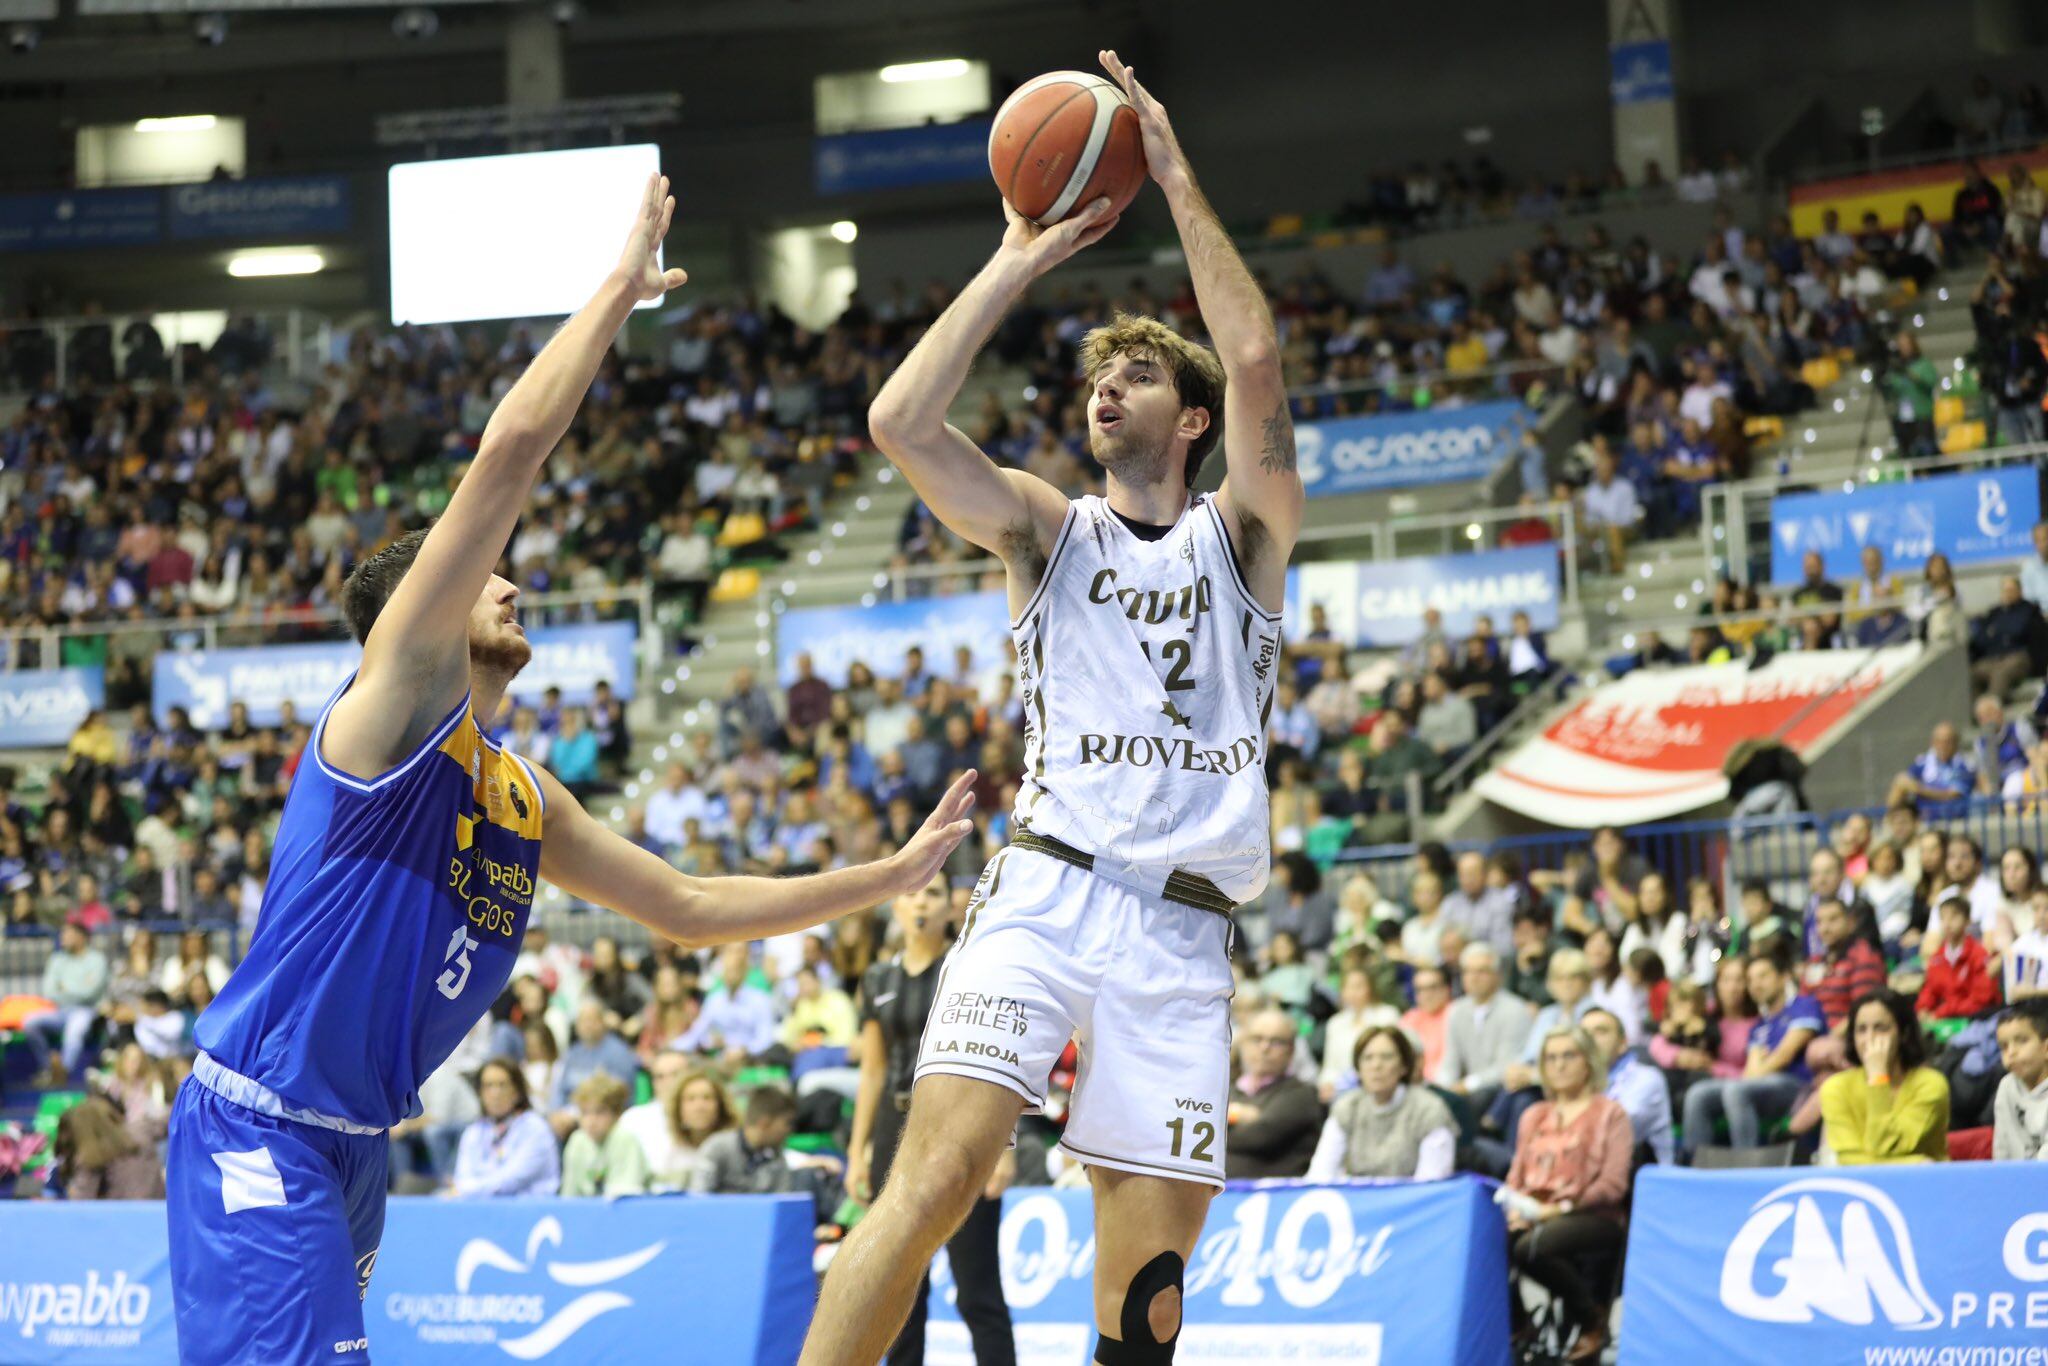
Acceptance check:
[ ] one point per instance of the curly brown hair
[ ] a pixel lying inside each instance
(1197, 374)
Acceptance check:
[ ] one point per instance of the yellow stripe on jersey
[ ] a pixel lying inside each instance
(503, 794)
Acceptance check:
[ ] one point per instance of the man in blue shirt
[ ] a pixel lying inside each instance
(1776, 1072)
(595, 1049)
(739, 1019)
(1937, 781)
(1633, 1084)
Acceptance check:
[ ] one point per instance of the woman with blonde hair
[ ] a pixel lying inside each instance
(698, 1108)
(1564, 1193)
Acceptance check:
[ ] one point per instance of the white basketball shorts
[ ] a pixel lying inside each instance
(1050, 951)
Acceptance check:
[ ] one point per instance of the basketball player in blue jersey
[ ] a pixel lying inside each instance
(404, 870)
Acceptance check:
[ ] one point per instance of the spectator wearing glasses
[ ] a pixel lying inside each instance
(1275, 1119)
(1427, 1020)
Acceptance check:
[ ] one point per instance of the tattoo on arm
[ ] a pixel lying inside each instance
(1276, 453)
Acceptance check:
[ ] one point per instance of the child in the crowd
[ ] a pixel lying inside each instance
(600, 1158)
(1959, 983)
(1687, 1040)
(2020, 1111)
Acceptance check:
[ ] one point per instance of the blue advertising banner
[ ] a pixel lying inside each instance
(1640, 72)
(1945, 1262)
(1379, 603)
(265, 677)
(1970, 517)
(893, 157)
(877, 636)
(88, 1283)
(296, 206)
(1283, 1272)
(61, 219)
(1396, 450)
(43, 706)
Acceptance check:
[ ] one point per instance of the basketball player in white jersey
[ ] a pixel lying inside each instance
(1147, 626)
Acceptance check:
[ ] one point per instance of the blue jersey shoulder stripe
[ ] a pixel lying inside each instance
(421, 751)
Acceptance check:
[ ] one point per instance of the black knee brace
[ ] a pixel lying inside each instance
(1138, 1347)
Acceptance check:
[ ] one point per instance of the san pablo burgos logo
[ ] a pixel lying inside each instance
(1851, 1269)
(486, 1314)
(87, 1313)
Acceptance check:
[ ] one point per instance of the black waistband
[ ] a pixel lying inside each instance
(1183, 888)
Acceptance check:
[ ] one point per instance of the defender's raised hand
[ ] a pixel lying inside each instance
(919, 860)
(1163, 157)
(640, 262)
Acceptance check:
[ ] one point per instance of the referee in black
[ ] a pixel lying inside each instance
(895, 997)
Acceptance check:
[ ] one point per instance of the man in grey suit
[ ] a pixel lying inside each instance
(1486, 1031)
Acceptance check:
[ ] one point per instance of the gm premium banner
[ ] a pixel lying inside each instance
(1971, 518)
(1394, 450)
(665, 1278)
(1362, 1274)
(887, 158)
(43, 706)
(296, 206)
(877, 636)
(1939, 1263)
(1650, 744)
(204, 682)
(1379, 603)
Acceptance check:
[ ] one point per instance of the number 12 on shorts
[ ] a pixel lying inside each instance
(1204, 1133)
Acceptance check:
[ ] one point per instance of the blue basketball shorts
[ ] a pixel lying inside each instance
(274, 1232)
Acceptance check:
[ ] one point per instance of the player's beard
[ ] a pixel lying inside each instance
(501, 654)
(1135, 457)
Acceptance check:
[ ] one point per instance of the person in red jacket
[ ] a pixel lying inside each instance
(1959, 983)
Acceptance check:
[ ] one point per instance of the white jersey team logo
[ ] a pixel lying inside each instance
(1147, 671)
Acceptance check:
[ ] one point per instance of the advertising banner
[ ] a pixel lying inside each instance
(88, 1284)
(877, 636)
(1379, 603)
(264, 677)
(1397, 450)
(1936, 1263)
(43, 706)
(1650, 744)
(294, 206)
(1284, 1272)
(66, 219)
(887, 158)
(1979, 516)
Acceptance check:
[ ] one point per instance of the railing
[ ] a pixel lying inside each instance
(1729, 511)
(24, 948)
(1728, 853)
(1454, 532)
(42, 646)
(133, 346)
(1533, 704)
(1494, 379)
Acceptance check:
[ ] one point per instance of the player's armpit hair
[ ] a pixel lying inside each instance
(1254, 541)
(1021, 552)
(374, 579)
(1138, 1346)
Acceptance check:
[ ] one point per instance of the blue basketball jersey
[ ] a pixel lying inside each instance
(392, 915)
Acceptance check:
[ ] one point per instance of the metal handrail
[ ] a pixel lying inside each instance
(302, 332)
(1538, 699)
(1732, 496)
(1432, 379)
(640, 594)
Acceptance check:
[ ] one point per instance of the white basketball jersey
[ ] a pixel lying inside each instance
(1147, 671)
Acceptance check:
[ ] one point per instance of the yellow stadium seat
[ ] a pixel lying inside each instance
(1284, 225)
(1763, 428)
(1963, 436)
(742, 528)
(736, 584)
(1948, 411)
(1821, 371)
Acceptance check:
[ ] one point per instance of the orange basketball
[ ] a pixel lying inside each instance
(1063, 140)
